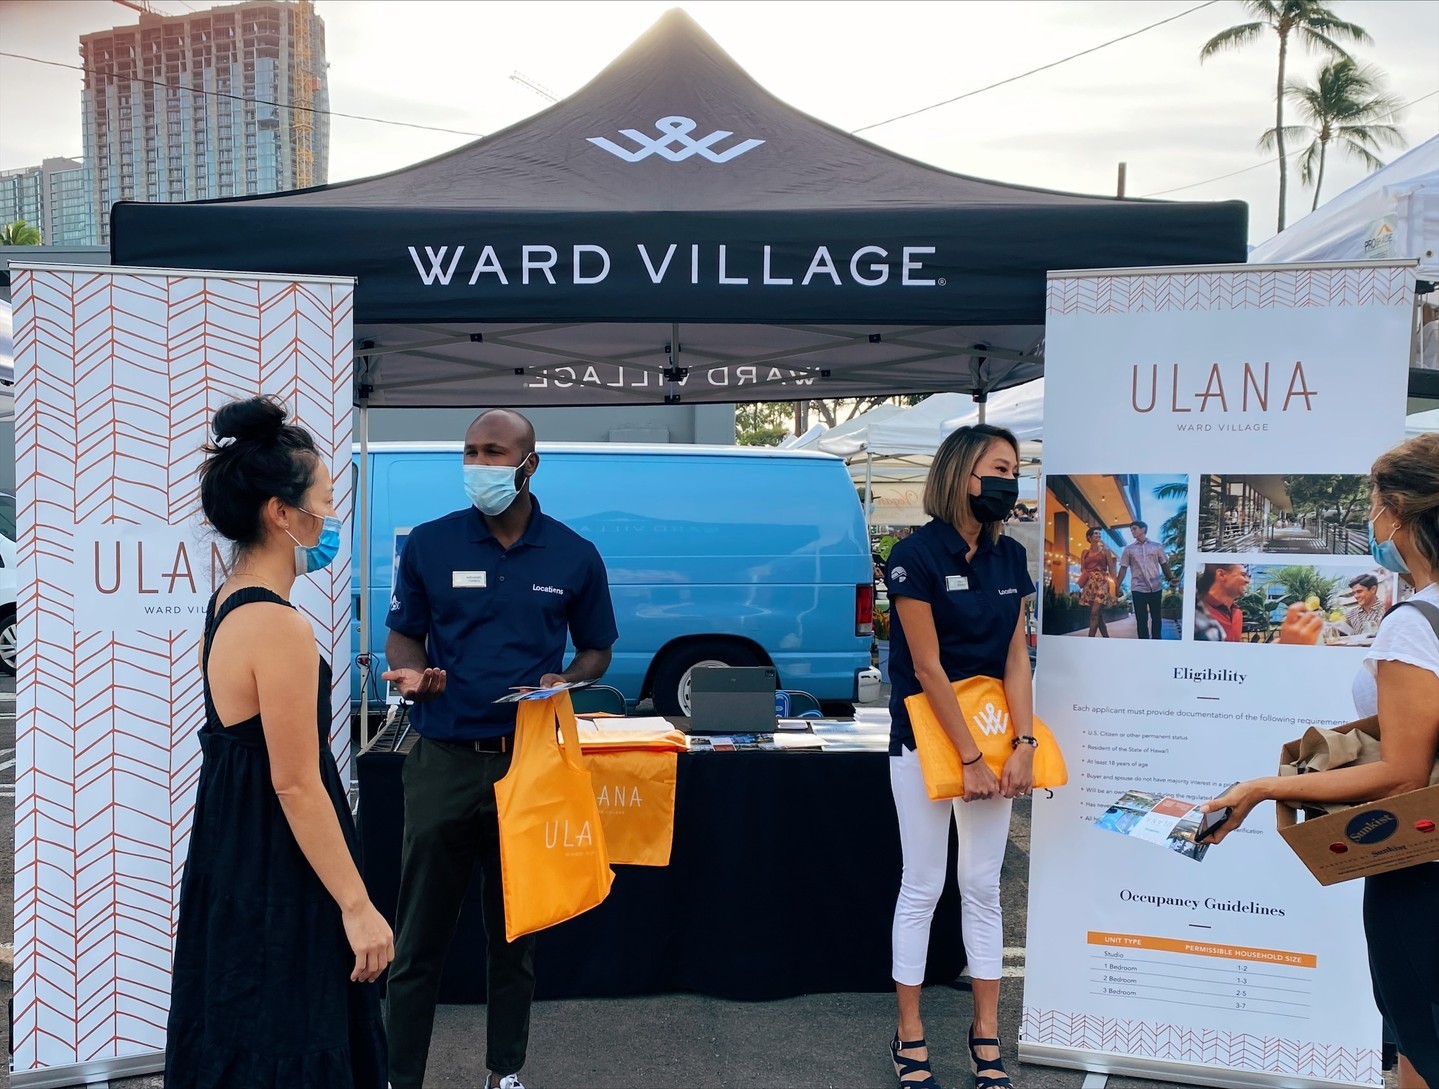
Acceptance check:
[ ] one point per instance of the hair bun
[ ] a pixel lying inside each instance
(253, 419)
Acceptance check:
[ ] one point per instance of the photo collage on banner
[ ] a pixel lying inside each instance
(119, 373)
(1208, 470)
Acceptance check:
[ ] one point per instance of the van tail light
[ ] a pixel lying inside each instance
(864, 609)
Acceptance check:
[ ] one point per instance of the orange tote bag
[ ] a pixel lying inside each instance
(986, 712)
(635, 793)
(553, 861)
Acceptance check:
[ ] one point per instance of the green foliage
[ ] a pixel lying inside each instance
(1255, 607)
(19, 233)
(1328, 496)
(1176, 527)
(1300, 581)
(762, 423)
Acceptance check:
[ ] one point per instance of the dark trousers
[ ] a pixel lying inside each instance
(1146, 611)
(1404, 960)
(450, 824)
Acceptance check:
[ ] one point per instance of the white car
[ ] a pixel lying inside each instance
(7, 583)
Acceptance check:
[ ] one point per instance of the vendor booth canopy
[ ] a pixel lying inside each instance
(673, 232)
(1393, 213)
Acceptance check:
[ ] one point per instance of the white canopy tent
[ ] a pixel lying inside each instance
(844, 439)
(889, 448)
(1392, 213)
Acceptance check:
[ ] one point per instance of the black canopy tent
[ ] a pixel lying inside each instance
(672, 232)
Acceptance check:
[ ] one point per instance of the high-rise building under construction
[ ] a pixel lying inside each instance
(215, 103)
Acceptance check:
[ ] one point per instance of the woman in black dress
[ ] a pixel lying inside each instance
(277, 945)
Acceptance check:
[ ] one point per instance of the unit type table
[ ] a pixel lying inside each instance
(782, 882)
(1207, 975)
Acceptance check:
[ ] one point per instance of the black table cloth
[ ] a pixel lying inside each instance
(782, 882)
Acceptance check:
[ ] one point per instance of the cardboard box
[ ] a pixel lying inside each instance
(1363, 839)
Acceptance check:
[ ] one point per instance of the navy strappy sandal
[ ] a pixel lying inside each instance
(903, 1065)
(988, 1073)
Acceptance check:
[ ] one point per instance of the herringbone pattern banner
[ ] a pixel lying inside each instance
(1207, 1047)
(118, 377)
(1237, 290)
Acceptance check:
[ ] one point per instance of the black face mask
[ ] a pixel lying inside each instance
(997, 497)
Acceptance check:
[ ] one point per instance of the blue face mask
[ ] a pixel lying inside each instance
(493, 488)
(318, 556)
(1386, 553)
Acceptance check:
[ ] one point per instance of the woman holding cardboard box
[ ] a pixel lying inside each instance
(958, 589)
(1399, 683)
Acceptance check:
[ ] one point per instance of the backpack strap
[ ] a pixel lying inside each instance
(1429, 609)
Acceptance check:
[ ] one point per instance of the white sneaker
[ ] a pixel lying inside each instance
(509, 1081)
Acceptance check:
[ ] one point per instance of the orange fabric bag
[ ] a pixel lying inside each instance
(553, 861)
(635, 793)
(986, 712)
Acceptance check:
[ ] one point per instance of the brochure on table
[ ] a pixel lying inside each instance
(1236, 411)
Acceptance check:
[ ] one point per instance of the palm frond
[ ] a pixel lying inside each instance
(1236, 37)
(1268, 142)
(1309, 162)
(1358, 151)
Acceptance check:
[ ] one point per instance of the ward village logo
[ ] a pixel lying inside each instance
(675, 143)
(992, 721)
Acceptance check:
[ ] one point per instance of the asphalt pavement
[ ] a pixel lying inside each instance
(683, 1040)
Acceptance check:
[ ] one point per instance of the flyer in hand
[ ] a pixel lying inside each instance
(541, 693)
(1169, 822)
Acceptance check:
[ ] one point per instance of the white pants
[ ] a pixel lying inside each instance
(924, 836)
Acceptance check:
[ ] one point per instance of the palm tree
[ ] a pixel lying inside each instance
(1298, 582)
(1313, 23)
(1345, 105)
(1176, 526)
(19, 233)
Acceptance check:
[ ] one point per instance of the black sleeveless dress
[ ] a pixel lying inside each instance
(261, 996)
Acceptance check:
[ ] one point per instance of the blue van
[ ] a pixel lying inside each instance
(716, 555)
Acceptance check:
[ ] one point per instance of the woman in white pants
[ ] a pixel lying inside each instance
(958, 588)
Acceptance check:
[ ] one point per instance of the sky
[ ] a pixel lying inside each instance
(1146, 101)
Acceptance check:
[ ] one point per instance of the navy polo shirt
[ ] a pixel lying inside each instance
(976, 606)
(496, 618)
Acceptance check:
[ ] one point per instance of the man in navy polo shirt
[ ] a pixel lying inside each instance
(483, 599)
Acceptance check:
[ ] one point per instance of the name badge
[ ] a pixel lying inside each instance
(468, 580)
(956, 582)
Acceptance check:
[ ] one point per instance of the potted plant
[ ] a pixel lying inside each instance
(881, 642)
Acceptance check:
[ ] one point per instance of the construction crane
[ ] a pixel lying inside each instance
(142, 6)
(302, 94)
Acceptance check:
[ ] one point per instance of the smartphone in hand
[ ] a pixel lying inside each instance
(1209, 823)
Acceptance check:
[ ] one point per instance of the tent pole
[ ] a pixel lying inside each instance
(868, 484)
(362, 501)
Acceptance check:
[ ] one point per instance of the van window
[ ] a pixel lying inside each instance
(7, 515)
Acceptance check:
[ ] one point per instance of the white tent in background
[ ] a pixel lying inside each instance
(1019, 409)
(847, 438)
(1420, 422)
(889, 449)
(1394, 212)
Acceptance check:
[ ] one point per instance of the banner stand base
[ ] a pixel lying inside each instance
(1095, 1081)
(1101, 1064)
(97, 1073)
